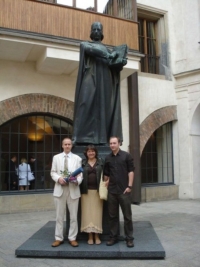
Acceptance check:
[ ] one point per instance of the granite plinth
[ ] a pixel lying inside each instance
(147, 245)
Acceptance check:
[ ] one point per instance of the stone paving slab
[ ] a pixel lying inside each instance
(147, 246)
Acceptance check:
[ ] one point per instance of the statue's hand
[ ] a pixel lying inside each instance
(113, 55)
(124, 61)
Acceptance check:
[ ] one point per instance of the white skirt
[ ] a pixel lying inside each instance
(23, 182)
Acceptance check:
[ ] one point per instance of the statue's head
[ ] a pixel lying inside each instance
(96, 31)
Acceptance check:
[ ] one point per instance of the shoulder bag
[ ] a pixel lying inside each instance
(103, 191)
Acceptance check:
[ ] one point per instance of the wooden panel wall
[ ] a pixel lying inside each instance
(64, 21)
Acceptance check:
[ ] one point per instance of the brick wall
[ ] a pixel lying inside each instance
(154, 121)
(29, 103)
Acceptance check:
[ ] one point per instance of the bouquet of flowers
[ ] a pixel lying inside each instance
(70, 177)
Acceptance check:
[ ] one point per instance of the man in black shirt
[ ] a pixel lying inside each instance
(119, 175)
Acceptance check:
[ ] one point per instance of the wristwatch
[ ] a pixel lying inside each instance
(130, 187)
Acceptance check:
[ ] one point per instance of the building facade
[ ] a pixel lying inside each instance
(160, 91)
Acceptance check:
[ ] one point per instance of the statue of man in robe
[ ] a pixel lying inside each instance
(97, 111)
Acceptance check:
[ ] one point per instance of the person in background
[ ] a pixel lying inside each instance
(23, 171)
(11, 178)
(91, 204)
(32, 162)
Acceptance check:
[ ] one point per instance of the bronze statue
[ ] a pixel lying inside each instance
(97, 111)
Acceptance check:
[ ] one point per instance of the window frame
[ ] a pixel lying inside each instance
(63, 124)
(149, 153)
(145, 39)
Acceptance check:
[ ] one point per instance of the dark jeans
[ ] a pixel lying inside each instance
(124, 201)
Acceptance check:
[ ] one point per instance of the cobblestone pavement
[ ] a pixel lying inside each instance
(176, 222)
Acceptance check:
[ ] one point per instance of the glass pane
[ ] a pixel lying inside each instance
(125, 9)
(15, 126)
(56, 126)
(5, 128)
(141, 44)
(3, 177)
(86, 4)
(66, 129)
(23, 125)
(14, 144)
(109, 8)
(57, 146)
(48, 142)
(23, 143)
(48, 126)
(101, 5)
(140, 27)
(49, 121)
(65, 2)
(5, 143)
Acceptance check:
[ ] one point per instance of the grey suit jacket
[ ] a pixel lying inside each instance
(57, 166)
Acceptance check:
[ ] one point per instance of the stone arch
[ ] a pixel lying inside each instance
(195, 153)
(193, 110)
(154, 121)
(29, 103)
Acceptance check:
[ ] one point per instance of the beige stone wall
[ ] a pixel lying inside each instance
(154, 94)
(28, 103)
(42, 202)
(159, 193)
(18, 78)
(26, 203)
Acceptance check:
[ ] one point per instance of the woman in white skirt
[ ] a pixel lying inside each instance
(23, 171)
(91, 204)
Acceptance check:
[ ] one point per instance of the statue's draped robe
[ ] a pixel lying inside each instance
(97, 111)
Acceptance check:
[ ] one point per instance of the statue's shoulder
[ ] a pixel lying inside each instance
(85, 43)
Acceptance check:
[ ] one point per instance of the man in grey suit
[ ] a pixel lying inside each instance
(66, 192)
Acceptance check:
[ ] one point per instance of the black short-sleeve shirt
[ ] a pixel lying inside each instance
(117, 168)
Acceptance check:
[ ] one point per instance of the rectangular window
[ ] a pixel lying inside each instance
(125, 9)
(101, 5)
(87, 4)
(147, 46)
(65, 2)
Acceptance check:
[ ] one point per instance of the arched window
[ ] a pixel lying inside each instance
(157, 157)
(37, 138)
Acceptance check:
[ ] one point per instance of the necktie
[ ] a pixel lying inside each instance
(66, 163)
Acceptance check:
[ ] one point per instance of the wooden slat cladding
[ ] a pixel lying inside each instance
(64, 21)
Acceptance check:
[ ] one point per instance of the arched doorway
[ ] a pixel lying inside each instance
(34, 135)
(157, 157)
